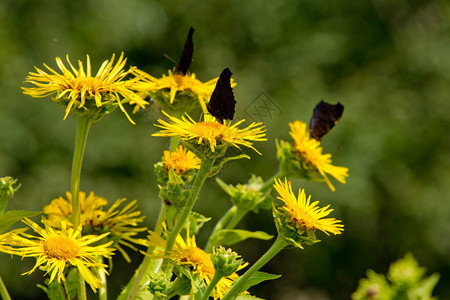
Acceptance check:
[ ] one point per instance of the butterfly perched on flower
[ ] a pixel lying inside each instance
(222, 103)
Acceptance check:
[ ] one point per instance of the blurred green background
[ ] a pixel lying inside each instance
(387, 61)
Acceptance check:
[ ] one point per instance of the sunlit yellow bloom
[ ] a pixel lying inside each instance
(174, 83)
(181, 160)
(186, 253)
(121, 223)
(311, 152)
(304, 214)
(57, 249)
(76, 86)
(7, 238)
(212, 132)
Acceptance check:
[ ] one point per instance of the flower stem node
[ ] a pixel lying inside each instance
(247, 196)
(7, 189)
(225, 261)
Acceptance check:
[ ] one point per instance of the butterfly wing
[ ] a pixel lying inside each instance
(222, 103)
(182, 67)
(325, 116)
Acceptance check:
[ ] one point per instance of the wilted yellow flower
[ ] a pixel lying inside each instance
(57, 249)
(77, 88)
(311, 151)
(304, 214)
(210, 132)
(178, 83)
(181, 160)
(121, 223)
(186, 253)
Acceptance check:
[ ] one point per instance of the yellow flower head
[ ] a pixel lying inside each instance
(303, 214)
(181, 160)
(77, 88)
(177, 83)
(186, 253)
(211, 132)
(55, 250)
(121, 223)
(311, 151)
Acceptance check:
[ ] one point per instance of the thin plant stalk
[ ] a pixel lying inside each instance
(66, 290)
(214, 281)
(235, 214)
(143, 268)
(83, 125)
(3, 291)
(102, 291)
(202, 174)
(277, 246)
(221, 224)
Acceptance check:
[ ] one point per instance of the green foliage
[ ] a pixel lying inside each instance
(9, 218)
(232, 236)
(257, 278)
(406, 282)
(56, 291)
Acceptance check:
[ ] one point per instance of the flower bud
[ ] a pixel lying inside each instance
(247, 196)
(159, 284)
(7, 190)
(225, 261)
(405, 272)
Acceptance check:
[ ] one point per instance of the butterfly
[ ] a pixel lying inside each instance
(222, 103)
(325, 116)
(182, 67)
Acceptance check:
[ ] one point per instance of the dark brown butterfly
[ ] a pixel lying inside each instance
(222, 103)
(325, 116)
(182, 67)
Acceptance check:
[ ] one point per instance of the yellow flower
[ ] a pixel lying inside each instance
(175, 83)
(74, 87)
(304, 214)
(121, 223)
(211, 132)
(186, 253)
(311, 152)
(57, 249)
(181, 160)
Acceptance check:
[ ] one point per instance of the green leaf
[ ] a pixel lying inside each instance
(10, 217)
(233, 236)
(196, 222)
(257, 278)
(424, 289)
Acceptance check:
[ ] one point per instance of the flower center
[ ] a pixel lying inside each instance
(199, 259)
(208, 129)
(60, 247)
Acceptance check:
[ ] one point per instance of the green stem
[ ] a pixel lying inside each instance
(279, 244)
(136, 281)
(216, 278)
(269, 183)
(3, 291)
(102, 291)
(83, 125)
(240, 213)
(202, 174)
(221, 224)
(66, 290)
